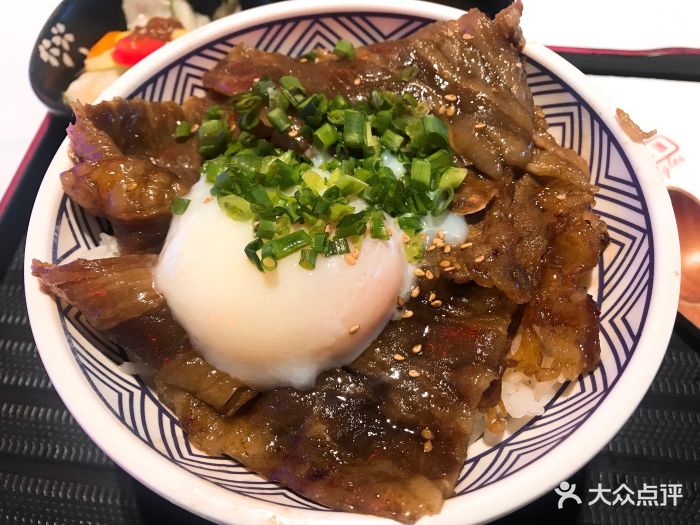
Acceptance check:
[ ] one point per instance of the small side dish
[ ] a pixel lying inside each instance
(336, 266)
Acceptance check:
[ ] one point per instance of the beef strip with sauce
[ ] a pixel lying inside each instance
(129, 166)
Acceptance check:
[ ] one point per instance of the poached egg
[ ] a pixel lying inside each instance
(284, 327)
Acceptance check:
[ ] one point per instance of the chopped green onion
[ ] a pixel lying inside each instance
(279, 119)
(213, 136)
(292, 84)
(313, 109)
(336, 247)
(410, 223)
(436, 131)
(211, 169)
(443, 199)
(452, 178)
(293, 90)
(415, 248)
(408, 73)
(310, 56)
(440, 161)
(354, 133)
(314, 181)
(318, 242)
(377, 229)
(247, 102)
(213, 112)
(287, 245)
(344, 49)
(307, 260)
(266, 229)
(251, 251)
(183, 130)
(349, 185)
(325, 136)
(338, 102)
(353, 224)
(263, 87)
(268, 261)
(235, 207)
(420, 172)
(179, 205)
(391, 140)
(338, 210)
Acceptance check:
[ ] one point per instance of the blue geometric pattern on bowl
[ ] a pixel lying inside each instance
(621, 286)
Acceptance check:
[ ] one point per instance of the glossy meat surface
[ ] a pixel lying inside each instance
(129, 166)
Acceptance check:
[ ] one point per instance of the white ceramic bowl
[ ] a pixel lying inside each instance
(636, 287)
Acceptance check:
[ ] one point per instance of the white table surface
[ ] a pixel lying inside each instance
(669, 106)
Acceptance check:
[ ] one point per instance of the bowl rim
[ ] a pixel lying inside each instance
(210, 501)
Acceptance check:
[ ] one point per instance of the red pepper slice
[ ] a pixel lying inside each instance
(132, 49)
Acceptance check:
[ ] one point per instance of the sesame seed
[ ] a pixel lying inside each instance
(328, 228)
(445, 264)
(451, 111)
(438, 242)
(399, 357)
(448, 249)
(407, 314)
(518, 65)
(479, 259)
(416, 349)
(466, 245)
(432, 296)
(256, 79)
(440, 234)
(415, 291)
(195, 127)
(561, 197)
(437, 303)
(427, 446)
(458, 266)
(354, 328)
(426, 433)
(357, 81)
(293, 133)
(429, 275)
(350, 259)
(450, 33)
(430, 248)
(479, 125)
(441, 110)
(450, 97)
(448, 269)
(400, 301)
(413, 373)
(304, 60)
(418, 272)
(467, 36)
(405, 239)
(132, 186)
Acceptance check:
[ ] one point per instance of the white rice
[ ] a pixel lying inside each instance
(108, 247)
